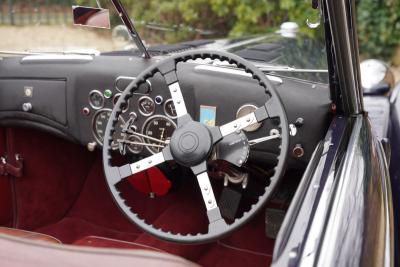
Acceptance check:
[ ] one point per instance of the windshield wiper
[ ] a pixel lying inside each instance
(278, 68)
(123, 14)
(268, 67)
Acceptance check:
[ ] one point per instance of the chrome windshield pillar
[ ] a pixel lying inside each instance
(342, 23)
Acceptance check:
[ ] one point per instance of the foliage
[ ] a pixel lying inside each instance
(225, 17)
(378, 27)
(378, 20)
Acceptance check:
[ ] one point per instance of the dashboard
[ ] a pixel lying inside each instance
(72, 97)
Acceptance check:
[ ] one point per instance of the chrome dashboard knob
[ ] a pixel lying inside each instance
(91, 146)
(27, 107)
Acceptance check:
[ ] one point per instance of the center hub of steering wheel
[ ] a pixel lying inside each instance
(191, 144)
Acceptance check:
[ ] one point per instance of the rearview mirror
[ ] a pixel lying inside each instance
(91, 17)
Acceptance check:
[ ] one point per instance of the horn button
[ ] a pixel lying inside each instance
(191, 144)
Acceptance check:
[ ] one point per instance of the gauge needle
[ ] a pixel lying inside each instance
(138, 143)
(150, 138)
(263, 139)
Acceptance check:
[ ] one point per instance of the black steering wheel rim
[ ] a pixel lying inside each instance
(164, 66)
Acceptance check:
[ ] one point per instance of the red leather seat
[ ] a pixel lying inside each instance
(19, 248)
(29, 235)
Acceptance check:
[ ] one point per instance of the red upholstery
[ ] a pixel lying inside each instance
(29, 235)
(63, 194)
(6, 211)
(17, 252)
(54, 173)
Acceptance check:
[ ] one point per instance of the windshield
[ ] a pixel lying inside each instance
(255, 30)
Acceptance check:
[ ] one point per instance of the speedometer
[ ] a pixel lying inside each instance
(99, 125)
(159, 129)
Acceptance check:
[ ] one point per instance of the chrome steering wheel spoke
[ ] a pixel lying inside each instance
(168, 70)
(269, 110)
(216, 222)
(177, 98)
(119, 173)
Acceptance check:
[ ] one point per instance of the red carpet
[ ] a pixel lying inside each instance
(65, 195)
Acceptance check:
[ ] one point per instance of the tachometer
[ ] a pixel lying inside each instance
(99, 125)
(159, 129)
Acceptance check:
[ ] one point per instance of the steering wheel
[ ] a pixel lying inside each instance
(192, 143)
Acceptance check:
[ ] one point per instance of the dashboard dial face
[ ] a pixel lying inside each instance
(99, 125)
(160, 128)
(169, 109)
(96, 99)
(134, 147)
(146, 106)
(245, 110)
(125, 106)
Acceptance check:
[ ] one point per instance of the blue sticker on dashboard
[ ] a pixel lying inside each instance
(208, 115)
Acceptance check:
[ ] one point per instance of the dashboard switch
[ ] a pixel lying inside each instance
(107, 93)
(299, 122)
(91, 146)
(86, 111)
(159, 99)
(298, 151)
(27, 107)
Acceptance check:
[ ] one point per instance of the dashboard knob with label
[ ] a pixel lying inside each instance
(27, 107)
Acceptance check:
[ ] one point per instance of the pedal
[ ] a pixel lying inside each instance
(229, 203)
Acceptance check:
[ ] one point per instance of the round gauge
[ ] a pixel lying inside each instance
(134, 145)
(245, 110)
(169, 109)
(125, 106)
(96, 99)
(146, 106)
(99, 125)
(159, 128)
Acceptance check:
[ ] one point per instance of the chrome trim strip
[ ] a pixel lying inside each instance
(56, 58)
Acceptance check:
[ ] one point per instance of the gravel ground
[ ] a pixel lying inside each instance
(54, 38)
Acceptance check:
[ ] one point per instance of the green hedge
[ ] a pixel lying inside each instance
(378, 20)
(378, 27)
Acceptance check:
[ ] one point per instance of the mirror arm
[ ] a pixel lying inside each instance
(123, 14)
(98, 3)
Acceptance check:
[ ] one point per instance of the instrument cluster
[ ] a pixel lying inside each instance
(145, 125)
